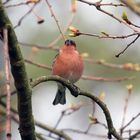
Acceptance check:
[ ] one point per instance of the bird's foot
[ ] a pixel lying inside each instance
(75, 91)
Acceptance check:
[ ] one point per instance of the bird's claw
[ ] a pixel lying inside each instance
(75, 91)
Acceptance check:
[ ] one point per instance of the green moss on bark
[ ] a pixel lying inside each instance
(26, 125)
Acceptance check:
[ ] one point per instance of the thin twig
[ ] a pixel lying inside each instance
(101, 62)
(113, 4)
(117, 79)
(68, 111)
(65, 29)
(42, 47)
(6, 2)
(98, 7)
(88, 128)
(15, 5)
(52, 130)
(107, 36)
(132, 130)
(38, 65)
(102, 124)
(40, 136)
(83, 132)
(7, 79)
(20, 4)
(124, 112)
(134, 118)
(132, 137)
(24, 16)
(118, 19)
(55, 18)
(127, 46)
(93, 112)
(126, 66)
(135, 25)
(58, 121)
(4, 95)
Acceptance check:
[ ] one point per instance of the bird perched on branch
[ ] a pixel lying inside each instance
(68, 64)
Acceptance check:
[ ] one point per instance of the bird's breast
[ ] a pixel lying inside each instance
(68, 66)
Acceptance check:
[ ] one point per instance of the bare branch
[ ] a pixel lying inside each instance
(57, 132)
(75, 91)
(127, 46)
(25, 15)
(84, 133)
(134, 135)
(135, 117)
(98, 7)
(6, 1)
(15, 5)
(124, 112)
(39, 46)
(53, 130)
(85, 77)
(113, 4)
(126, 66)
(64, 31)
(38, 65)
(107, 36)
(7, 79)
(117, 79)
(56, 20)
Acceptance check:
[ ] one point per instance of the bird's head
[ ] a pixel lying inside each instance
(69, 47)
(70, 43)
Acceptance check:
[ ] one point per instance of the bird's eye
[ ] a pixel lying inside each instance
(70, 43)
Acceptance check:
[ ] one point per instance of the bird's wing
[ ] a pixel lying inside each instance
(55, 59)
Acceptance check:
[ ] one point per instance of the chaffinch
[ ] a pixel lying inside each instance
(68, 64)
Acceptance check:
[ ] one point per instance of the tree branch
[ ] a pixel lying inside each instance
(53, 130)
(26, 125)
(133, 41)
(60, 133)
(75, 91)
(98, 6)
(7, 84)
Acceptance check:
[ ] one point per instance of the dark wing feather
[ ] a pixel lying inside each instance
(54, 59)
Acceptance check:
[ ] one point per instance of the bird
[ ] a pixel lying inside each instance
(67, 64)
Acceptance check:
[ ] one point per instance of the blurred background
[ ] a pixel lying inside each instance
(88, 20)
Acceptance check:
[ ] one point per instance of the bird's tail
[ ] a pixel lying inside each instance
(60, 97)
